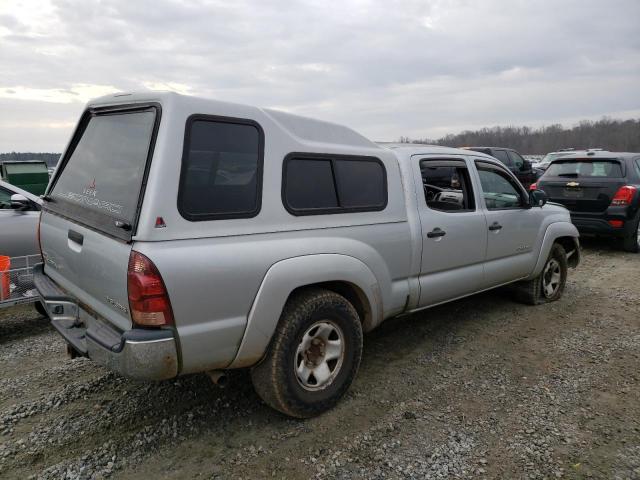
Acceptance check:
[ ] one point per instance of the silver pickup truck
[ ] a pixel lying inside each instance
(185, 235)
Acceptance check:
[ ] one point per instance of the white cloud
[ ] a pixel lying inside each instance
(385, 68)
(75, 93)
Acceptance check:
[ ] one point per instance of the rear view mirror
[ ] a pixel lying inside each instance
(537, 198)
(19, 202)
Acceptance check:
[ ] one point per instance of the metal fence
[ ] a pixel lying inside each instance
(16, 283)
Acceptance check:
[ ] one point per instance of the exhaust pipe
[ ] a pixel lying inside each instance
(218, 377)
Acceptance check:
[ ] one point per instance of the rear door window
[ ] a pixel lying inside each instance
(446, 185)
(221, 175)
(100, 181)
(585, 168)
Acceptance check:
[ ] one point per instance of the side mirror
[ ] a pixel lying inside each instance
(537, 198)
(19, 202)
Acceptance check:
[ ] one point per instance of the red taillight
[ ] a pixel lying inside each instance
(148, 298)
(616, 223)
(624, 195)
(533, 186)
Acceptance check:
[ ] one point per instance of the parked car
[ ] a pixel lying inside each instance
(601, 190)
(31, 175)
(19, 215)
(543, 164)
(274, 242)
(520, 167)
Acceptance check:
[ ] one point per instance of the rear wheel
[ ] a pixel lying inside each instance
(314, 355)
(549, 285)
(631, 243)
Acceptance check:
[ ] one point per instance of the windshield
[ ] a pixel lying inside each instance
(105, 171)
(585, 168)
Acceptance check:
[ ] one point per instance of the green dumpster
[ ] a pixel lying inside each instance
(31, 176)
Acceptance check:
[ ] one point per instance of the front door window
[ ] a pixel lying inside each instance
(499, 189)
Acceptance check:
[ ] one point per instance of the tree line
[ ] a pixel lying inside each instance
(606, 133)
(50, 158)
(609, 134)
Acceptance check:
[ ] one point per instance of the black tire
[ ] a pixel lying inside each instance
(275, 379)
(40, 309)
(631, 243)
(532, 291)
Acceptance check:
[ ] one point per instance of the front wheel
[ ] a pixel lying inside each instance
(548, 286)
(313, 357)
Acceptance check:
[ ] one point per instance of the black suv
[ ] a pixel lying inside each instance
(520, 167)
(602, 192)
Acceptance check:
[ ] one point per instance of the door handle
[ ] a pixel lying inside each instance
(75, 237)
(495, 226)
(436, 232)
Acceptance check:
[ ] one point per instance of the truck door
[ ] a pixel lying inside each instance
(453, 229)
(512, 226)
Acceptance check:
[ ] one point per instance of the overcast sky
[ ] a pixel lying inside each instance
(384, 68)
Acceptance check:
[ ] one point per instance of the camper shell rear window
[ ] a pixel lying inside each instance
(102, 176)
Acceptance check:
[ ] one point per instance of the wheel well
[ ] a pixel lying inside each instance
(570, 246)
(352, 293)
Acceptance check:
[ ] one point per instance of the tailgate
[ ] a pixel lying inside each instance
(89, 265)
(91, 208)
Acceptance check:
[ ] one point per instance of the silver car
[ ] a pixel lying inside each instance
(19, 216)
(185, 235)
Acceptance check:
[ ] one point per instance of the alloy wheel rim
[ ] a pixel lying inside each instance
(551, 277)
(319, 355)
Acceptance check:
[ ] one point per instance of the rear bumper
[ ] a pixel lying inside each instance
(598, 224)
(137, 353)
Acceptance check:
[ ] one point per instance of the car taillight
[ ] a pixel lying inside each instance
(624, 195)
(533, 186)
(616, 223)
(148, 298)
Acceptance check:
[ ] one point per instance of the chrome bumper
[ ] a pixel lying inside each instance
(136, 353)
(147, 359)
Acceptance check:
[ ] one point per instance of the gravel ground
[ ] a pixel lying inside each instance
(480, 388)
